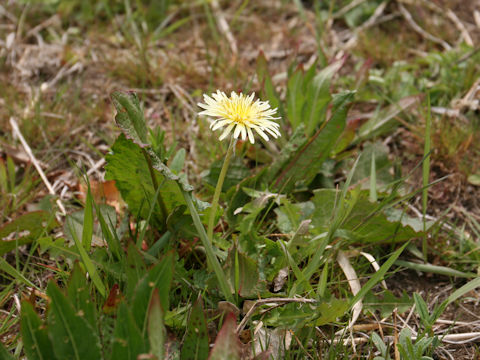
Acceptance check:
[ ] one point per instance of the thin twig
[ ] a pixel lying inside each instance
(54, 19)
(408, 17)
(372, 20)
(450, 15)
(347, 8)
(461, 27)
(33, 159)
(224, 28)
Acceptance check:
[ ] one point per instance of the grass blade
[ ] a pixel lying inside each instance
(10, 270)
(434, 269)
(87, 232)
(378, 276)
(426, 176)
(86, 260)
(373, 179)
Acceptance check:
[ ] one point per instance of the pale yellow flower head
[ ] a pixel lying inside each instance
(240, 114)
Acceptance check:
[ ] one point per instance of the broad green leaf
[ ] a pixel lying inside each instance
(300, 315)
(288, 150)
(195, 344)
(78, 293)
(68, 329)
(266, 84)
(159, 277)
(383, 166)
(242, 273)
(318, 96)
(386, 302)
(176, 165)
(176, 217)
(156, 327)
(290, 215)
(253, 209)
(135, 269)
(236, 197)
(329, 311)
(4, 354)
(167, 173)
(35, 339)
(339, 213)
(365, 222)
(307, 160)
(128, 341)
(291, 315)
(130, 117)
(295, 97)
(227, 344)
(128, 167)
(131, 120)
(25, 229)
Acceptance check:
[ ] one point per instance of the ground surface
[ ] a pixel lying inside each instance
(59, 65)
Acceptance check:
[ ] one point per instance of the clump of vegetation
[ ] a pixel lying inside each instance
(323, 221)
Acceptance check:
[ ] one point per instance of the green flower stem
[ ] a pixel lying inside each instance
(163, 208)
(207, 244)
(218, 189)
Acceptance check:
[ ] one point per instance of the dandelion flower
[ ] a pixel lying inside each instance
(240, 114)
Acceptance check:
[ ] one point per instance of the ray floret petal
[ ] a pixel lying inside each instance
(240, 114)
